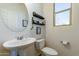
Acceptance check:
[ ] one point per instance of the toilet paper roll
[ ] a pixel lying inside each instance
(65, 42)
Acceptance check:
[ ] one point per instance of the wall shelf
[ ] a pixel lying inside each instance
(37, 15)
(37, 23)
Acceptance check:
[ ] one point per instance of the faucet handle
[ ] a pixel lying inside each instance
(19, 37)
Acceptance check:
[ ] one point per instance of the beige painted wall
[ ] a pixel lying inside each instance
(62, 33)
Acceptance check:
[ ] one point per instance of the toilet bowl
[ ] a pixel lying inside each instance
(46, 51)
(49, 51)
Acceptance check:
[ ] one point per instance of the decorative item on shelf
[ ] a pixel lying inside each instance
(37, 22)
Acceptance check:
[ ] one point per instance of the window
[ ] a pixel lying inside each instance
(62, 14)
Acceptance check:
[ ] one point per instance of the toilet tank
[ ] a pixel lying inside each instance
(40, 43)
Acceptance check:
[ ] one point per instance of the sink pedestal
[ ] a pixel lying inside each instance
(14, 52)
(17, 52)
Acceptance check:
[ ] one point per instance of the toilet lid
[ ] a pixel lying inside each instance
(49, 51)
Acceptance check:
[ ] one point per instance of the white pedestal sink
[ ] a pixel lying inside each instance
(17, 46)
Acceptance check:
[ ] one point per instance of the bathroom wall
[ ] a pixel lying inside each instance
(38, 8)
(6, 34)
(55, 34)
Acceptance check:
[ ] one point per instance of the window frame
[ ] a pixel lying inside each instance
(54, 15)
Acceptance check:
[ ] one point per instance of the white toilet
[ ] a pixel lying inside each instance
(40, 44)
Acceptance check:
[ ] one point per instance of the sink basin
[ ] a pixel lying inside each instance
(17, 46)
(18, 43)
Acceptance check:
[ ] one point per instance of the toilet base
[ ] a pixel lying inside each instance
(46, 54)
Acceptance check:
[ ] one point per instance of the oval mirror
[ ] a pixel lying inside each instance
(14, 16)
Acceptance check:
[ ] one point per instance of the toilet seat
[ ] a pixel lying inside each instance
(49, 51)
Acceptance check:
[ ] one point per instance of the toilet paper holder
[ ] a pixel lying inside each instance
(65, 42)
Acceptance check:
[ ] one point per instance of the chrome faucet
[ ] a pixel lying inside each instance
(19, 37)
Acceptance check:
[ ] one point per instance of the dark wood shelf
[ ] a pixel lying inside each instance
(38, 24)
(37, 15)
